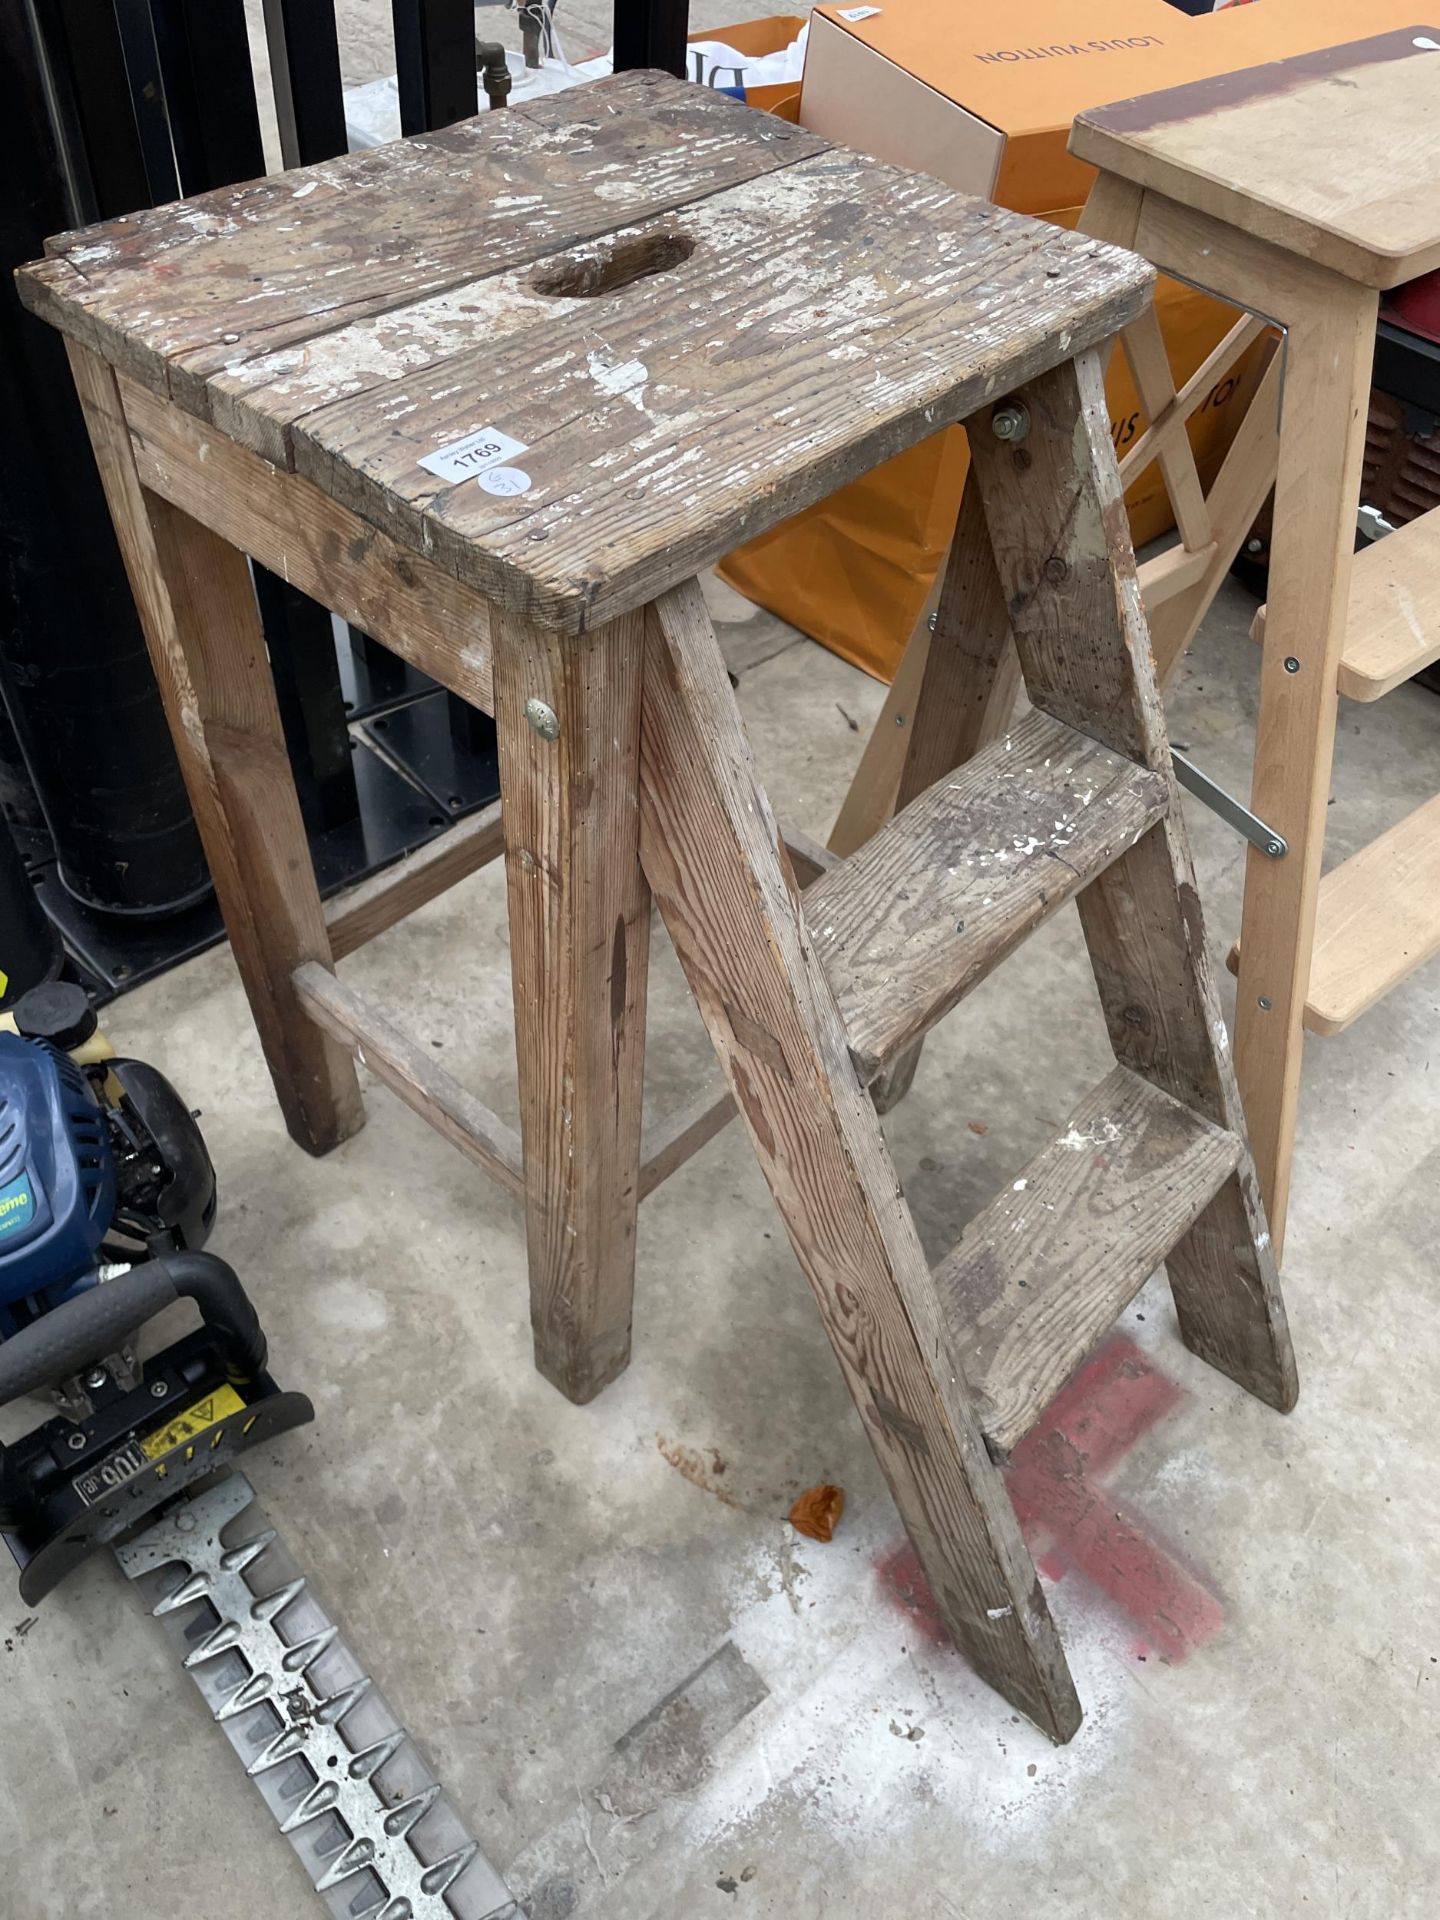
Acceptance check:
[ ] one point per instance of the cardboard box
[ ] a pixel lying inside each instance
(983, 99)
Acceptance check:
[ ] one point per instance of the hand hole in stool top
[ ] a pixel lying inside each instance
(612, 264)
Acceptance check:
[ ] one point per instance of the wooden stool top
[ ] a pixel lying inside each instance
(1334, 155)
(675, 319)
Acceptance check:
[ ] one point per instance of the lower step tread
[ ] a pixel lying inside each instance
(923, 911)
(1377, 919)
(1046, 1268)
(1392, 622)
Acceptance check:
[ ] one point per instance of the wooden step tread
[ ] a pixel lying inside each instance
(1050, 1263)
(921, 913)
(1392, 627)
(1378, 918)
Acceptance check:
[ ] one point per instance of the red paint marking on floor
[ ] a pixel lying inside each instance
(1115, 1397)
(1070, 1521)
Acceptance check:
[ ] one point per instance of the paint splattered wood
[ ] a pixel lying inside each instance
(1141, 916)
(748, 366)
(924, 911)
(692, 319)
(1062, 1249)
(178, 293)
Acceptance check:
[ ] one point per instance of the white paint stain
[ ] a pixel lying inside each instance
(1099, 1133)
(626, 380)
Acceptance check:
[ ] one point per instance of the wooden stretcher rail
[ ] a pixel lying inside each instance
(1170, 422)
(408, 1070)
(358, 914)
(355, 917)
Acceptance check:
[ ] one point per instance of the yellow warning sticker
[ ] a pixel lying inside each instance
(205, 1413)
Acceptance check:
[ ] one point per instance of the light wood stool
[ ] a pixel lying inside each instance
(1297, 191)
(654, 322)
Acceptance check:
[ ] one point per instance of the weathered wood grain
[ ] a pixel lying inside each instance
(1141, 916)
(395, 595)
(1061, 1251)
(413, 1073)
(701, 404)
(928, 907)
(1054, 537)
(579, 954)
(197, 609)
(711, 850)
(972, 675)
(966, 697)
(694, 319)
(673, 1140)
(179, 294)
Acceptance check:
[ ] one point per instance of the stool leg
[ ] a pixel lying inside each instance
(870, 798)
(197, 609)
(1062, 546)
(1317, 490)
(965, 699)
(972, 672)
(713, 855)
(579, 946)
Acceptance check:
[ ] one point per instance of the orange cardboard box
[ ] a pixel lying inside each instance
(983, 99)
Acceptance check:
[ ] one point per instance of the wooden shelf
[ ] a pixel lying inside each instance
(1392, 628)
(1378, 919)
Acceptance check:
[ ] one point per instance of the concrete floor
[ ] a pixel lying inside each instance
(1248, 1601)
(528, 1580)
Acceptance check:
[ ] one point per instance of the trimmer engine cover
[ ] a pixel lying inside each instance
(57, 1175)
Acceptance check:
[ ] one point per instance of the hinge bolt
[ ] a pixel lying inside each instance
(543, 719)
(1010, 423)
(1292, 665)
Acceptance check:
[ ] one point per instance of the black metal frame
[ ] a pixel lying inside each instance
(130, 103)
(434, 62)
(304, 51)
(651, 33)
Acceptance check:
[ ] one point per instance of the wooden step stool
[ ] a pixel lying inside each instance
(672, 322)
(1298, 191)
